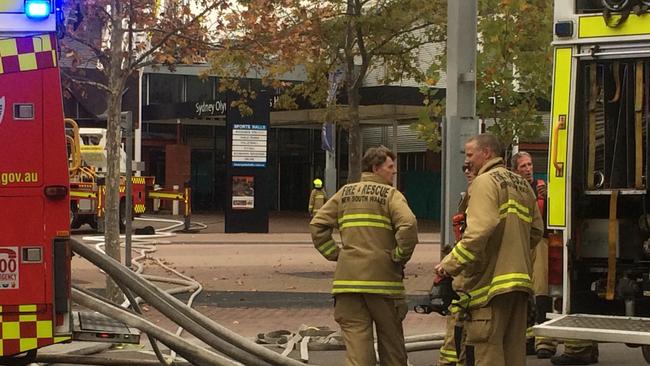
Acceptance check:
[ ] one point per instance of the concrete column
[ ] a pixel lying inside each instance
(459, 123)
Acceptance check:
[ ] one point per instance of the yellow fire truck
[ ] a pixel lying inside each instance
(598, 169)
(87, 168)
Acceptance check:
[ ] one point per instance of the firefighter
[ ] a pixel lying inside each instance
(452, 354)
(576, 352)
(522, 164)
(494, 257)
(378, 235)
(317, 197)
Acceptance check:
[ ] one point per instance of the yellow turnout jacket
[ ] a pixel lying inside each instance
(378, 234)
(503, 225)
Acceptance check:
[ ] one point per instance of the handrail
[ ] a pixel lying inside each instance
(74, 141)
(560, 125)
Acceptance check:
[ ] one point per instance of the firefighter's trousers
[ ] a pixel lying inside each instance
(448, 352)
(497, 332)
(543, 305)
(581, 349)
(356, 314)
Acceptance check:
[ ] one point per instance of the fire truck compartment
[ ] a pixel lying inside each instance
(633, 330)
(94, 327)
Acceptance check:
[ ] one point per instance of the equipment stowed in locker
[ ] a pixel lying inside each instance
(614, 111)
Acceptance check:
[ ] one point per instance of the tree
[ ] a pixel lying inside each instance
(122, 36)
(353, 36)
(513, 71)
(514, 66)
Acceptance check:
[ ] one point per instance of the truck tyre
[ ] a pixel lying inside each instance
(645, 349)
(75, 223)
(122, 219)
(92, 221)
(21, 359)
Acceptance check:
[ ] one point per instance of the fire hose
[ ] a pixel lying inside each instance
(210, 332)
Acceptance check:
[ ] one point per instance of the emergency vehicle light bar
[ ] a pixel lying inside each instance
(38, 9)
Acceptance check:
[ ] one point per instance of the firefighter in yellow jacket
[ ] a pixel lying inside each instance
(452, 354)
(494, 256)
(378, 236)
(317, 197)
(522, 164)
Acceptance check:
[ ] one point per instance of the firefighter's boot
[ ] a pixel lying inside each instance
(588, 355)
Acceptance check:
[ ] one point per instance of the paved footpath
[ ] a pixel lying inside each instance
(255, 283)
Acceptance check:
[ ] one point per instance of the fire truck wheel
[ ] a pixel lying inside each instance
(19, 360)
(122, 216)
(75, 223)
(646, 353)
(93, 222)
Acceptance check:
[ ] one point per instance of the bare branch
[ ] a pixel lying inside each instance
(400, 52)
(365, 56)
(95, 49)
(130, 54)
(77, 79)
(397, 34)
(167, 36)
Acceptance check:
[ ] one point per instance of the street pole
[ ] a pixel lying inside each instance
(460, 120)
(128, 199)
(330, 167)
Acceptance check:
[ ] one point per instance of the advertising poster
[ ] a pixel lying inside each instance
(243, 192)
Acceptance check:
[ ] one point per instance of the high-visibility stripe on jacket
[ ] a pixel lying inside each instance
(503, 224)
(378, 235)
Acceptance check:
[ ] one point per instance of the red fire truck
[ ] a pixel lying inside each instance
(35, 308)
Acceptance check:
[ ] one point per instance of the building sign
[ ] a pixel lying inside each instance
(243, 192)
(211, 108)
(249, 145)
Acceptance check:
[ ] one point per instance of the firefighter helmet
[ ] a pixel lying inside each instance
(318, 183)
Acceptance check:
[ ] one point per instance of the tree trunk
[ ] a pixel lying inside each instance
(354, 137)
(112, 229)
(353, 79)
(113, 147)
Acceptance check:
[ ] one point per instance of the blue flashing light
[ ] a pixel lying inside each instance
(38, 9)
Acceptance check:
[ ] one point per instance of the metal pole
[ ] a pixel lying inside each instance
(459, 123)
(128, 200)
(395, 147)
(138, 132)
(330, 167)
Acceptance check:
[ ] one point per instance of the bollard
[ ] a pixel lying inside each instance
(175, 204)
(156, 201)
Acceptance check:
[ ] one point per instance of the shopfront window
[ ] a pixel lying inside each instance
(165, 88)
(199, 89)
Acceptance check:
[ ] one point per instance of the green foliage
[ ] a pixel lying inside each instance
(513, 66)
(427, 127)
